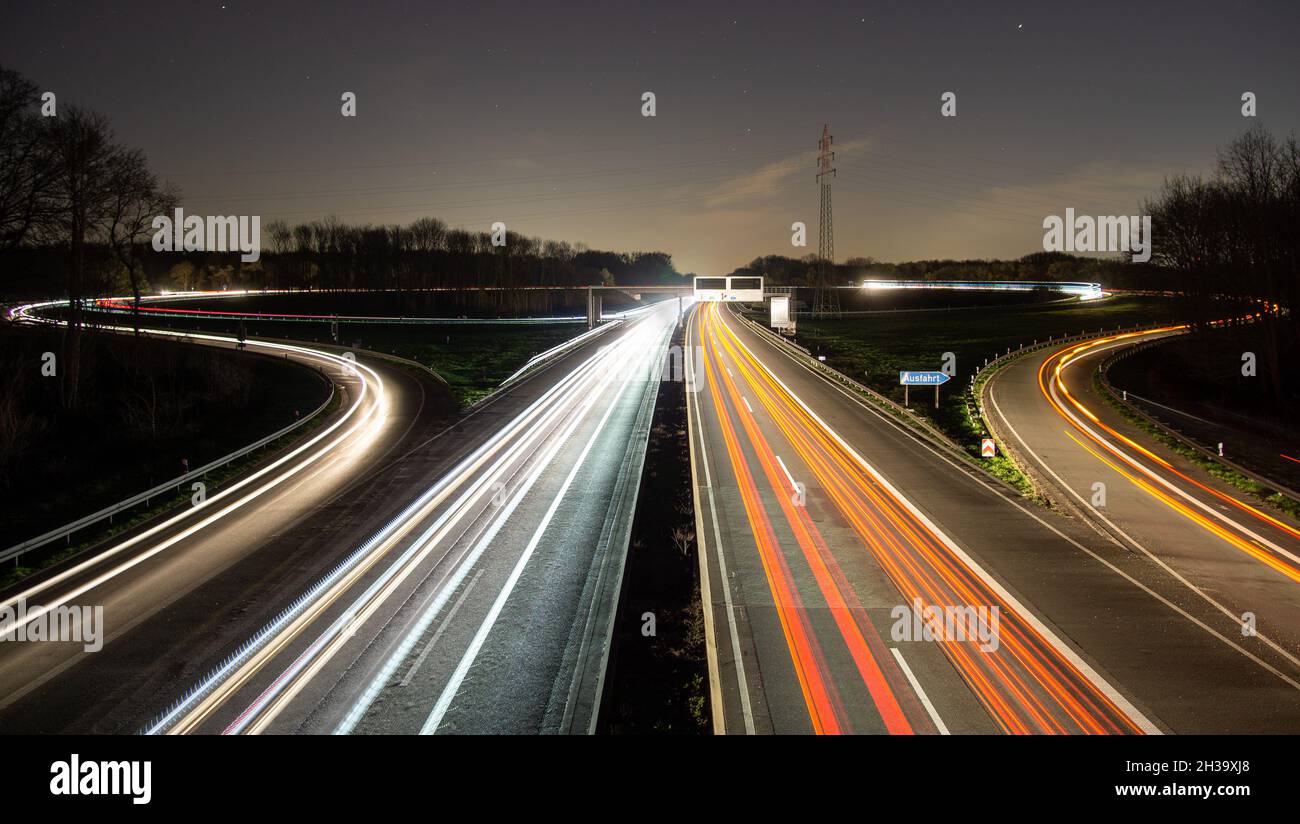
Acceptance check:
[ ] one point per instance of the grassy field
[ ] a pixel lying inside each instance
(873, 349)
(473, 358)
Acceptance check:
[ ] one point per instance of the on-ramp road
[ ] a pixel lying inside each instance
(206, 611)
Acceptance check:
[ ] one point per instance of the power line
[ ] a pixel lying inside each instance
(486, 183)
(534, 197)
(452, 162)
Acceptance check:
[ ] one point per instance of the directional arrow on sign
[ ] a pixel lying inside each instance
(922, 378)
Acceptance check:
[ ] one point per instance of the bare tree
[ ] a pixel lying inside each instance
(83, 155)
(1234, 235)
(25, 166)
(135, 199)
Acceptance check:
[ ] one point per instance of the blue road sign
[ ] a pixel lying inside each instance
(922, 378)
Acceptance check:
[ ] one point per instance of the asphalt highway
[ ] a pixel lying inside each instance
(822, 518)
(486, 604)
(1239, 558)
(186, 594)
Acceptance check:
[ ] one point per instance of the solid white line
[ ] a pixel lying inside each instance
(996, 491)
(377, 407)
(471, 653)
(1033, 620)
(1152, 556)
(746, 709)
(916, 685)
(573, 383)
(1142, 468)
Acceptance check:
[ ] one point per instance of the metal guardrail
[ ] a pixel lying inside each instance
(271, 317)
(108, 512)
(933, 433)
(66, 530)
(974, 396)
(997, 361)
(587, 689)
(1103, 376)
(555, 351)
(539, 360)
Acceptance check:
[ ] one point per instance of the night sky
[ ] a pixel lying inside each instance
(530, 113)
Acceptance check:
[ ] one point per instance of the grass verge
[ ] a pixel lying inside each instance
(658, 671)
(873, 350)
(1261, 492)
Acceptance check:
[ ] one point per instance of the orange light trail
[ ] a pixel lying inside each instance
(798, 635)
(1027, 685)
(1056, 365)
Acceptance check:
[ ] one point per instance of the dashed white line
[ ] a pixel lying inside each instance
(793, 485)
(920, 693)
(442, 627)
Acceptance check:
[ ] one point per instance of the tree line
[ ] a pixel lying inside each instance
(781, 270)
(77, 209)
(329, 254)
(1236, 234)
(66, 182)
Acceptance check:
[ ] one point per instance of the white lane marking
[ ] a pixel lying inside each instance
(916, 685)
(377, 408)
(1156, 560)
(1033, 620)
(574, 383)
(1139, 466)
(793, 485)
(471, 653)
(997, 493)
(747, 406)
(746, 709)
(442, 627)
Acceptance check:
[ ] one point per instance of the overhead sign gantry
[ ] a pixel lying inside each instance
(727, 289)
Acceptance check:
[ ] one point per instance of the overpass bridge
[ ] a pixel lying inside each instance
(727, 288)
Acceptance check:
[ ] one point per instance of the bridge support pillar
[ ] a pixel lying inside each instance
(595, 306)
